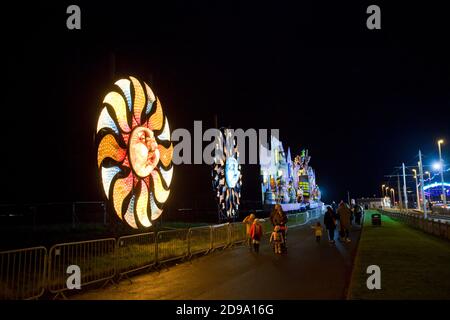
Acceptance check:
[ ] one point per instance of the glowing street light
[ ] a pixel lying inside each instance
(444, 197)
(382, 190)
(417, 189)
(393, 195)
(437, 166)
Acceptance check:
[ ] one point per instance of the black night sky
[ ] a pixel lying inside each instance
(361, 101)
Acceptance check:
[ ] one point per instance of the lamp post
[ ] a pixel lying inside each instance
(429, 179)
(386, 192)
(444, 197)
(393, 195)
(417, 189)
(382, 190)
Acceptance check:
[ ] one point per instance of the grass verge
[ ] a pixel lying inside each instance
(414, 265)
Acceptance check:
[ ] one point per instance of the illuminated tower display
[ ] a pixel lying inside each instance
(226, 176)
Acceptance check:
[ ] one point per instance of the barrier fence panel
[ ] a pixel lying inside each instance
(22, 273)
(266, 225)
(135, 252)
(237, 232)
(200, 240)
(436, 228)
(220, 236)
(291, 219)
(443, 230)
(430, 226)
(172, 245)
(94, 258)
(300, 218)
(448, 230)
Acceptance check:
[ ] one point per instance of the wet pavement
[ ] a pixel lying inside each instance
(308, 271)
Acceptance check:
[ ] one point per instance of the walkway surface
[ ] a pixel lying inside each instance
(308, 271)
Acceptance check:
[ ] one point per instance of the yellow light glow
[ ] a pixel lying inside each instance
(140, 153)
(109, 148)
(139, 99)
(156, 120)
(115, 100)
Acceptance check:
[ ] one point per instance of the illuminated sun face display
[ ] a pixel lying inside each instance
(134, 153)
(227, 177)
(231, 172)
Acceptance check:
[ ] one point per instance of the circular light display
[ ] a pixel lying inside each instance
(227, 177)
(134, 153)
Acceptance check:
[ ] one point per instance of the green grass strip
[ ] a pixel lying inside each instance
(414, 265)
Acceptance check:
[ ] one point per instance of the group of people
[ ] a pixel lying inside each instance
(336, 217)
(345, 216)
(278, 236)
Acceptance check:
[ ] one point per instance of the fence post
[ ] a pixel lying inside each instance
(448, 230)
(210, 238)
(189, 233)
(228, 235)
(156, 248)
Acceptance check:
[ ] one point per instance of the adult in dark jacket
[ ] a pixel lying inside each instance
(279, 218)
(344, 214)
(329, 220)
(357, 211)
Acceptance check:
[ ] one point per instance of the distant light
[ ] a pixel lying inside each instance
(436, 184)
(437, 166)
(441, 141)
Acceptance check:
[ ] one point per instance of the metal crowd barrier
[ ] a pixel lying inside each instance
(220, 236)
(22, 273)
(95, 258)
(172, 245)
(266, 225)
(431, 226)
(27, 273)
(238, 233)
(135, 252)
(200, 240)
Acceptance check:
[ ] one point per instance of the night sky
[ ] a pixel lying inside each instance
(361, 101)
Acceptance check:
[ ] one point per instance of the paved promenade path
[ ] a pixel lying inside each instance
(308, 271)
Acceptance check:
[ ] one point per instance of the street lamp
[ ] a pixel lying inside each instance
(417, 189)
(393, 195)
(444, 197)
(382, 190)
(429, 179)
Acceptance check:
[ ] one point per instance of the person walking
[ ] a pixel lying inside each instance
(317, 231)
(334, 207)
(256, 234)
(344, 214)
(278, 217)
(329, 220)
(248, 221)
(357, 211)
(277, 239)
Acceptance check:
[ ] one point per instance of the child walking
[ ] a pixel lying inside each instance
(317, 231)
(256, 234)
(277, 239)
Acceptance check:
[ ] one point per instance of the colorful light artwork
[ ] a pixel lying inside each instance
(227, 177)
(134, 152)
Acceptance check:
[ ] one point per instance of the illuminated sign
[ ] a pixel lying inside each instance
(134, 152)
(435, 185)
